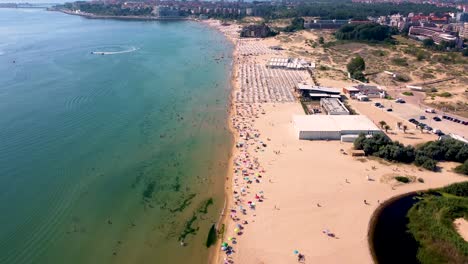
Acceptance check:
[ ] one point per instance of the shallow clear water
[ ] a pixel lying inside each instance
(106, 158)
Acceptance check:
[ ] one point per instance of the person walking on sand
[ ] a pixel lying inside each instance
(300, 258)
(365, 201)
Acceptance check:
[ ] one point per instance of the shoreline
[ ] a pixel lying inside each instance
(215, 254)
(127, 18)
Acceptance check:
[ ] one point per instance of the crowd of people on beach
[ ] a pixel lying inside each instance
(247, 171)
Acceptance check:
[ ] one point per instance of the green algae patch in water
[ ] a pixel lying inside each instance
(188, 229)
(184, 203)
(149, 189)
(204, 207)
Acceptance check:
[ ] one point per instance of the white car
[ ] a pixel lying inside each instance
(430, 110)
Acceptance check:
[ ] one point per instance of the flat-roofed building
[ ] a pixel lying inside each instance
(317, 92)
(371, 91)
(332, 127)
(333, 106)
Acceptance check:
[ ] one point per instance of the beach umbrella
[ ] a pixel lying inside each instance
(225, 244)
(229, 238)
(236, 230)
(296, 252)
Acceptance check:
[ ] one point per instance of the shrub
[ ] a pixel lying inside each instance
(399, 61)
(421, 180)
(465, 52)
(458, 189)
(462, 169)
(402, 78)
(408, 93)
(402, 179)
(323, 68)
(444, 94)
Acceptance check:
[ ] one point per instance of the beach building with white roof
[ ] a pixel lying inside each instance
(333, 127)
(333, 106)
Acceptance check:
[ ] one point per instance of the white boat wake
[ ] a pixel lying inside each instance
(132, 49)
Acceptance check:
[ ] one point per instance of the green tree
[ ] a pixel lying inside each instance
(357, 64)
(428, 43)
(382, 124)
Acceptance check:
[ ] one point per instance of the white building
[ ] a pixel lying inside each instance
(332, 127)
(333, 106)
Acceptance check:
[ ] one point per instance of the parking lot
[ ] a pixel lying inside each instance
(407, 111)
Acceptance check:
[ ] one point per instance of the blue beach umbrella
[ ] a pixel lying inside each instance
(296, 252)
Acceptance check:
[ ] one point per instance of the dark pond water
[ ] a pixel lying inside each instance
(391, 240)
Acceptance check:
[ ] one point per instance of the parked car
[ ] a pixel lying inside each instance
(422, 117)
(456, 120)
(377, 104)
(430, 110)
(465, 123)
(399, 100)
(444, 117)
(389, 110)
(436, 118)
(411, 120)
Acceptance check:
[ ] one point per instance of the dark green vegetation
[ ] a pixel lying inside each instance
(462, 169)
(211, 239)
(408, 93)
(443, 45)
(188, 227)
(356, 67)
(107, 9)
(149, 189)
(431, 224)
(342, 10)
(364, 32)
(399, 61)
(402, 179)
(186, 202)
(426, 155)
(296, 24)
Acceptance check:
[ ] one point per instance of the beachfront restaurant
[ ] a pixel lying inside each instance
(317, 92)
(333, 127)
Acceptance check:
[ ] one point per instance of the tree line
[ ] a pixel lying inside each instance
(426, 155)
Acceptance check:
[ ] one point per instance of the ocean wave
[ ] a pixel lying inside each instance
(103, 52)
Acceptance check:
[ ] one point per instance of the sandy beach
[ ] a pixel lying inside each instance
(290, 198)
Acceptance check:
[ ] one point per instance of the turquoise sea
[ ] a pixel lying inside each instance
(110, 158)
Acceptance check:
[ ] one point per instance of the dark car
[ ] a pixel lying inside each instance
(411, 120)
(389, 110)
(377, 104)
(444, 117)
(465, 123)
(436, 118)
(456, 120)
